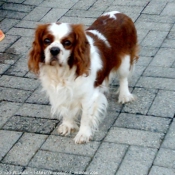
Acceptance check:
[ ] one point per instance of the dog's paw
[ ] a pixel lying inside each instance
(67, 128)
(83, 137)
(124, 98)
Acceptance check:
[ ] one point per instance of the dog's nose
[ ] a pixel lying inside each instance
(55, 51)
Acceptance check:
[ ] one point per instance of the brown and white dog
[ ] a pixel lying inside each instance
(75, 67)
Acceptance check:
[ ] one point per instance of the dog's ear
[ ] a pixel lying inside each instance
(81, 51)
(36, 55)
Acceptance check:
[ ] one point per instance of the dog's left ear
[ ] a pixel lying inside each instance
(81, 51)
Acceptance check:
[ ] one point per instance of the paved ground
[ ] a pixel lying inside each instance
(134, 139)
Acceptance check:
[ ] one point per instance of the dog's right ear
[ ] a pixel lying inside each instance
(36, 55)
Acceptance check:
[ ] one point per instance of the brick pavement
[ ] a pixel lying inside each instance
(134, 139)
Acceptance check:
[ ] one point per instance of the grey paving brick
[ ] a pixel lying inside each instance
(54, 161)
(157, 170)
(7, 58)
(141, 35)
(17, 7)
(32, 2)
(21, 46)
(7, 24)
(9, 169)
(7, 109)
(21, 32)
(28, 24)
(3, 68)
(38, 97)
(82, 5)
(165, 158)
(19, 68)
(142, 122)
(105, 163)
(168, 43)
(148, 51)
(143, 101)
(67, 145)
(14, 95)
(162, 56)
(137, 161)
(28, 124)
(131, 3)
(15, 1)
(154, 7)
(8, 138)
(155, 71)
(37, 171)
(158, 83)
(13, 14)
(18, 82)
(171, 35)
(34, 110)
(60, 4)
(163, 105)
(24, 149)
(168, 10)
(8, 42)
(153, 26)
(134, 137)
(154, 38)
(37, 13)
(144, 61)
(53, 15)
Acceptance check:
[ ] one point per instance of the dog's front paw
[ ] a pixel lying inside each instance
(67, 128)
(124, 98)
(83, 137)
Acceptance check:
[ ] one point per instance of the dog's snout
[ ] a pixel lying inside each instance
(55, 51)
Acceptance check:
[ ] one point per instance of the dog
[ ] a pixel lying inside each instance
(75, 67)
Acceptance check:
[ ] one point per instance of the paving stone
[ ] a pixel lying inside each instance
(32, 2)
(37, 13)
(134, 137)
(67, 145)
(17, 7)
(62, 4)
(141, 34)
(153, 26)
(163, 105)
(144, 61)
(169, 141)
(8, 138)
(8, 169)
(7, 58)
(157, 170)
(148, 51)
(19, 68)
(82, 5)
(3, 68)
(168, 10)
(154, 7)
(13, 95)
(137, 161)
(21, 32)
(7, 24)
(37, 171)
(18, 82)
(28, 124)
(154, 38)
(168, 43)
(165, 158)
(34, 110)
(155, 71)
(162, 56)
(107, 159)
(142, 122)
(130, 3)
(141, 105)
(15, 1)
(83, 13)
(7, 109)
(38, 97)
(158, 83)
(53, 15)
(8, 42)
(171, 35)
(24, 149)
(28, 24)
(54, 161)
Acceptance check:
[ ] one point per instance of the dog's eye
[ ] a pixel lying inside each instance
(67, 43)
(47, 41)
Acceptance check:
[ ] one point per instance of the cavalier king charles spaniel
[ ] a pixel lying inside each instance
(75, 67)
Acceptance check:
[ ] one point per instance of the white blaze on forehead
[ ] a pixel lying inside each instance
(100, 36)
(60, 30)
(111, 14)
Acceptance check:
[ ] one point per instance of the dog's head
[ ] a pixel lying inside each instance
(60, 44)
